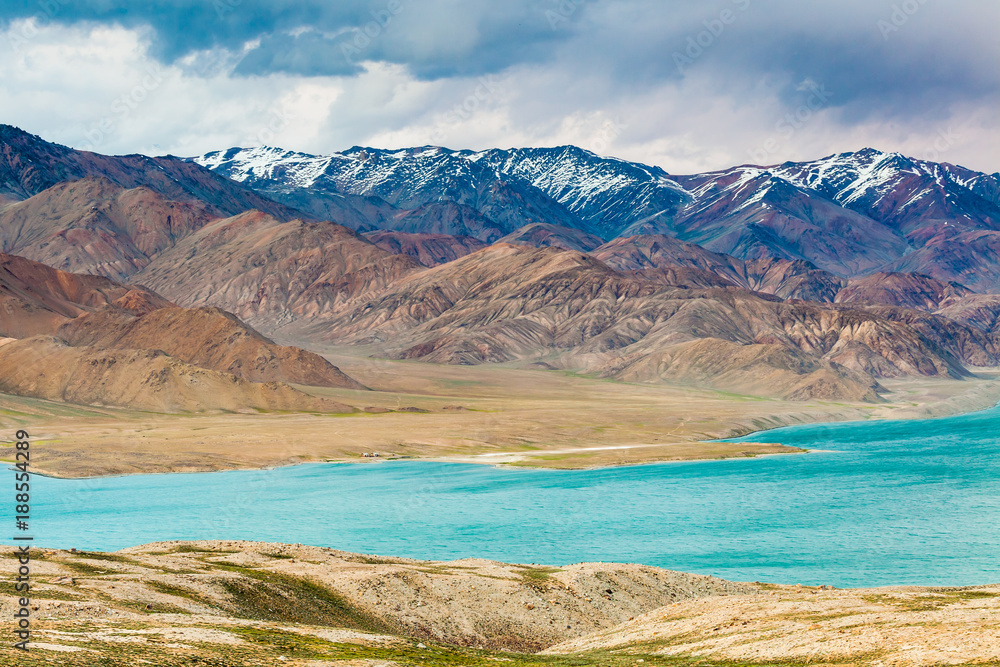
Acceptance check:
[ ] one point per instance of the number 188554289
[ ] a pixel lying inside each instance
(22, 486)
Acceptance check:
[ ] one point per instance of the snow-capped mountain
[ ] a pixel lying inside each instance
(613, 197)
(752, 213)
(431, 190)
(564, 186)
(899, 191)
(849, 213)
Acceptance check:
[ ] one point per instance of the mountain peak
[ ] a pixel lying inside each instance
(11, 130)
(10, 134)
(868, 151)
(895, 160)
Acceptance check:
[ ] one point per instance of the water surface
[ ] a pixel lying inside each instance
(901, 502)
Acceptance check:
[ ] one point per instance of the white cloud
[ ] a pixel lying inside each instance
(99, 85)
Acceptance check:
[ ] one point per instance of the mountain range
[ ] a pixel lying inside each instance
(801, 280)
(849, 214)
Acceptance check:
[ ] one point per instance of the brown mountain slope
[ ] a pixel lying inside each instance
(746, 368)
(491, 285)
(35, 298)
(95, 226)
(207, 337)
(29, 165)
(93, 311)
(900, 342)
(682, 276)
(506, 303)
(980, 311)
(968, 257)
(445, 217)
(792, 279)
(543, 235)
(961, 339)
(660, 257)
(428, 249)
(910, 290)
(272, 274)
(45, 367)
(636, 253)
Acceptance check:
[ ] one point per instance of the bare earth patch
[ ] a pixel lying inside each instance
(245, 603)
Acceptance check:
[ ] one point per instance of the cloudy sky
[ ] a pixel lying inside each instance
(689, 85)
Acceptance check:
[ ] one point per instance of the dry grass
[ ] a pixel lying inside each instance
(244, 603)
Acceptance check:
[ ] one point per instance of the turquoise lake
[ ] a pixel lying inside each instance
(897, 502)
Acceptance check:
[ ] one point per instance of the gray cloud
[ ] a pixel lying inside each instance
(941, 54)
(435, 38)
(691, 82)
(892, 52)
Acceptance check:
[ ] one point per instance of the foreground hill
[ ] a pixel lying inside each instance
(245, 603)
(469, 603)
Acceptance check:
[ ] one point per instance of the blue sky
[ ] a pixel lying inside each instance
(688, 85)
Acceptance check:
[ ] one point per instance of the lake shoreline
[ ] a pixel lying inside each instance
(105, 458)
(803, 519)
(456, 460)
